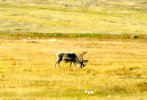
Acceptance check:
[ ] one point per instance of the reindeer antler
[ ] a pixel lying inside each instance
(83, 53)
(81, 56)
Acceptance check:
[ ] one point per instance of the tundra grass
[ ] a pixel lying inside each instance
(116, 69)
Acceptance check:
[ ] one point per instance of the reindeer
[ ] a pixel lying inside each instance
(72, 58)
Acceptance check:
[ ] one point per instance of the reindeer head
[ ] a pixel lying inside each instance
(82, 60)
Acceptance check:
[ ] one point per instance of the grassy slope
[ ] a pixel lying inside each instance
(72, 16)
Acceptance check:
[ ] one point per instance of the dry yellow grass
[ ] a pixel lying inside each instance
(117, 69)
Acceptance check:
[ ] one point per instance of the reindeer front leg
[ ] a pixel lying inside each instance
(72, 62)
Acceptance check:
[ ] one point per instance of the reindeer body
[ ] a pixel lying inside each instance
(70, 57)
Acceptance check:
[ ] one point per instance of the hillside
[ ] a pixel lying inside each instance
(74, 16)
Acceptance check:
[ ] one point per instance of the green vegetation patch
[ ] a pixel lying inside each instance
(71, 35)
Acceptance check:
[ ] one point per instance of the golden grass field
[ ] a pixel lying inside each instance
(117, 69)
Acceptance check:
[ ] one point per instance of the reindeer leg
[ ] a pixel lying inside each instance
(75, 64)
(70, 63)
(58, 62)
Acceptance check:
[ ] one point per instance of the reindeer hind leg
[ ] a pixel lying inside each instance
(58, 62)
(70, 63)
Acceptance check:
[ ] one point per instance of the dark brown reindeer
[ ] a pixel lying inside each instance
(72, 58)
